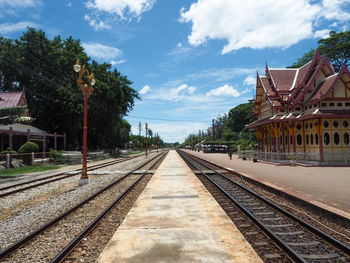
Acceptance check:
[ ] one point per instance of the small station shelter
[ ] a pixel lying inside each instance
(215, 146)
(16, 134)
(304, 110)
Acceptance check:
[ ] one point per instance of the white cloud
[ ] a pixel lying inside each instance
(173, 131)
(258, 24)
(222, 91)
(246, 91)
(97, 25)
(113, 63)
(182, 52)
(145, 89)
(249, 81)
(178, 93)
(122, 7)
(100, 51)
(222, 74)
(324, 33)
(20, 26)
(191, 89)
(332, 10)
(19, 3)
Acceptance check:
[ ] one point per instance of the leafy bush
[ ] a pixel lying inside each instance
(55, 156)
(8, 150)
(28, 147)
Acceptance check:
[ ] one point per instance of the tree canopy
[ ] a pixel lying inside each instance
(229, 127)
(44, 68)
(336, 48)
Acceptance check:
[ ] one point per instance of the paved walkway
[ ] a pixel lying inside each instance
(175, 219)
(328, 187)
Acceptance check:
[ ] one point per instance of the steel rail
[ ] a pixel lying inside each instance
(64, 252)
(330, 240)
(5, 252)
(336, 243)
(63, 176)
(50, 176)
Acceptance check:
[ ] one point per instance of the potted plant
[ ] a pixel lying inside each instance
(255, 157)
(292, 159)
(243, 155)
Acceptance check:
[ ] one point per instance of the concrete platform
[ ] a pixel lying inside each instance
(175, 219)
(326, 187)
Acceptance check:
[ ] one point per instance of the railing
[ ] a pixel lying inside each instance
(17, 160)
(292, 158)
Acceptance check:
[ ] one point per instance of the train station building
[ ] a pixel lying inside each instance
(13, 135)
(304, 112)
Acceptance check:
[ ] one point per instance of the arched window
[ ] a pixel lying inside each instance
(335, 124)
(326, 124)
(306, 126)
(316, 139)
(312, 139)
(307, 139)
(291, 140)
(286, 140)
(346, 138)
(345, 124)
(336, 138)
(299, 139)
(298, 126)
(311, 125)
(326, 138)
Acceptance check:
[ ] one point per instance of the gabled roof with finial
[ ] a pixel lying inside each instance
(284, 87)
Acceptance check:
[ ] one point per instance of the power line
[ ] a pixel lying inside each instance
(159, 119)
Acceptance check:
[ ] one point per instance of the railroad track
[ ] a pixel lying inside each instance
(23, 186)
(298, 239)
(53, 241)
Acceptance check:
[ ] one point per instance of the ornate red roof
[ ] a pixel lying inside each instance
(283, 78)
(290, 87)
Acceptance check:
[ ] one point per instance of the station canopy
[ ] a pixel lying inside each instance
(217, 142)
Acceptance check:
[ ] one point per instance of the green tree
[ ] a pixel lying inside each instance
(44, 68)
(240, 116)
(336, 48)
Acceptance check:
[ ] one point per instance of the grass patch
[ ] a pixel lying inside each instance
(135, 152)
(27, 169)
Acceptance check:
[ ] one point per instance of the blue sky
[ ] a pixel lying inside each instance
(190, 60)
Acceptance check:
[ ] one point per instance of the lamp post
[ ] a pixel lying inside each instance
(146, 125)
(87, 89)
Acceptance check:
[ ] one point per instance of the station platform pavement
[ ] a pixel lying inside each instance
(175, 219)
(326, 187)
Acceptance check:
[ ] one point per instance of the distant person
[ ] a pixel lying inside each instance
(229, 152)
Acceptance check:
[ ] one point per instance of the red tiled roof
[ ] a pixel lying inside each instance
(283, 78)
(302, 72)
(10, 99)
(268, 87)
(323, 88)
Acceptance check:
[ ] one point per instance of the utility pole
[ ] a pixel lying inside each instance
(146, 125)
(139, 134)
(199, 140)
(213, 120)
